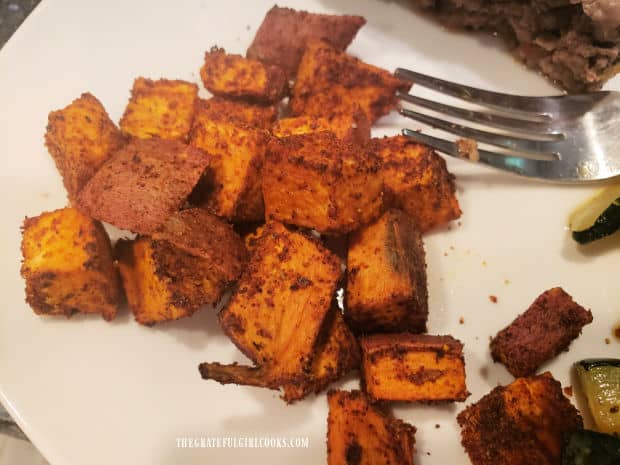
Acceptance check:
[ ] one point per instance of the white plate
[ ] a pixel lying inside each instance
(90, 392)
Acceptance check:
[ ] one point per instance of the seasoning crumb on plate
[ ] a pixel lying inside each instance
(493, 298)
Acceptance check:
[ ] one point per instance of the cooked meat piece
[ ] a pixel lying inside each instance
(574, 43)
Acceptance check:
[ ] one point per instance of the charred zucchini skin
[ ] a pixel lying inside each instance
(589, 363)
(586, 447)
(606, 224)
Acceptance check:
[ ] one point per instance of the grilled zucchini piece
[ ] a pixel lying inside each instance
(589, 448)
(600, 382)
(597, 217)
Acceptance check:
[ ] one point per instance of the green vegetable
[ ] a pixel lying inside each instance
(589, 448)
(600, 382)
(598, 217)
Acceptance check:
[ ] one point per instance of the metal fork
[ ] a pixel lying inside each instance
(564, 138)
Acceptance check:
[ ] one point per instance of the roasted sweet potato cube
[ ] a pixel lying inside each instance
(277, 310)
(417, 181)
(413, 368)
(318, 181)
(162, 108)
(80, 138)
(143, 184)
(68, 265)
(386, 279)
(519, 424)
(204, 235)
(243, 78)
(239, 113)
(543, 331)
(163, 283)
(361, 433)
(330, 82)
(337, 352)
(231, 188)
(353, 128)
(282, 36)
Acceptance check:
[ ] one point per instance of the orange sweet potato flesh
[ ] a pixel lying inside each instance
(242, 78)
(413, 368)
(231, 187)
(143, 184)
(330, 82)
(163, 283)
(237, 112)
(336, 353)
(361, 433)
(321, 182)
(162, 108)
(80, 138)
(353, 127)
(284, 32)
(276, 313)
(417, 181)
(68, 265)
(386, 276)
(519, 424)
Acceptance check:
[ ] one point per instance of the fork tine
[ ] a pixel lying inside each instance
(532, 106)
(489, 119)
(499, 140)
(517, 165)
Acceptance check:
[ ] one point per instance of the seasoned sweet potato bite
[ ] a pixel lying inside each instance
(519, 424)
(336, 353)
(413, 367)
(318, 181)
(277, 310)
(80, 138)
(282, 36)
(330, 82)
(204, 235)
(417, 181)
(242, 78)
(68, 265)
(143, 184)
(237, 112)
(162, 108)
(543, 331)
(353, 127)
(163, 283)
(386, 279)
(361, 433)
(231, 188)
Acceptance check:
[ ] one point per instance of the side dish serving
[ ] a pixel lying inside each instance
(268, 198)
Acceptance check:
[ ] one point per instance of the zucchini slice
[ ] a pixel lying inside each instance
(585, 447)
(600, 382)
(597, 217)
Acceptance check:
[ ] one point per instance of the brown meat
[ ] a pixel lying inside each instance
(577, 49)
(542, 332)
(282, 36)
(143, 184)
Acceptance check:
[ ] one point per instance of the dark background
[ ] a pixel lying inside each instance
(12, 13)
